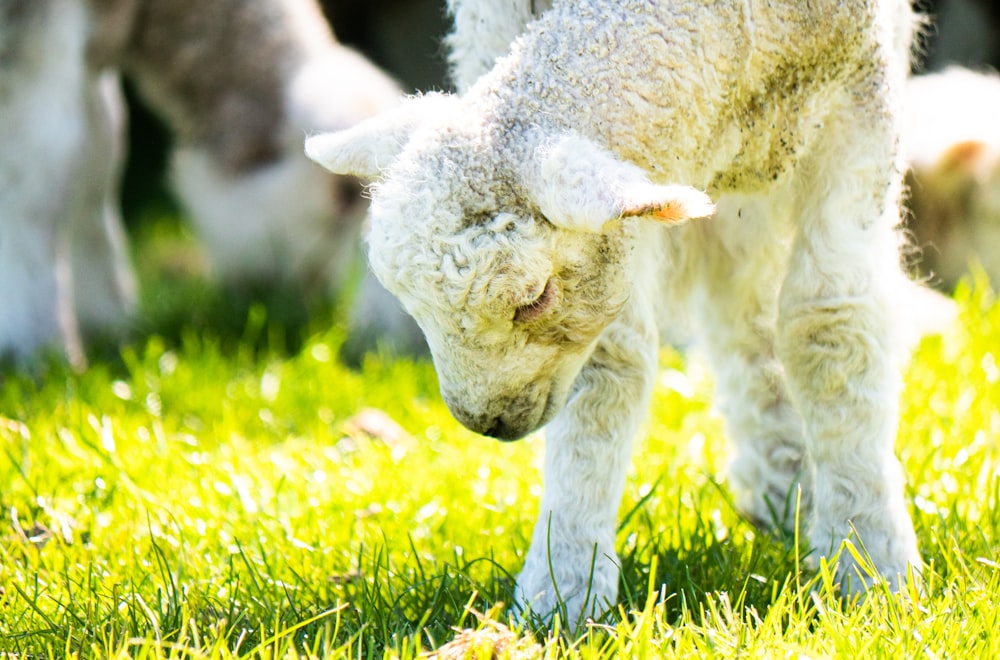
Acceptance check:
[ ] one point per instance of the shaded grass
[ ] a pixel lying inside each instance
(222, 488)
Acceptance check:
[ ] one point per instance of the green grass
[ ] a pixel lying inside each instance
(222, 488)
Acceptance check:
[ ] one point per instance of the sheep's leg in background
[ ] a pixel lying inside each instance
(587, 453)
(42, 129)
(103, 283)
(838, 339)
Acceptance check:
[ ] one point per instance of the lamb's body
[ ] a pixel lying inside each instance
(758, 103)
(506, 227)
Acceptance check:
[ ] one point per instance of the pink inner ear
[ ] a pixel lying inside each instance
(673, 204)
(672, 212)
(670, 203)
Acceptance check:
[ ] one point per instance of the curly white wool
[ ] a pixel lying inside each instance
(556, 171)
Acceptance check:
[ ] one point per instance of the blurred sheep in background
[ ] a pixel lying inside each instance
(238, 84)
(953, 148)
(952, 142)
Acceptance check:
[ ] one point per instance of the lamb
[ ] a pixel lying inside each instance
(953, 149)
(237, 83)
(534, 226)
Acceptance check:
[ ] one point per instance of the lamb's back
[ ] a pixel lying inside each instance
(723, 94)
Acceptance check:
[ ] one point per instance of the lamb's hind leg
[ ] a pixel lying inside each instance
(739, 261)
(836, 339)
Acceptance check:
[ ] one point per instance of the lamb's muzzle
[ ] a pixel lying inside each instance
(509, 417)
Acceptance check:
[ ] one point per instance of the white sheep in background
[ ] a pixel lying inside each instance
(532, 226)
(952, 143)
(236, 82)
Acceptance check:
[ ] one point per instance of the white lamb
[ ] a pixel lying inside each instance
(236, 82)
(532, 226)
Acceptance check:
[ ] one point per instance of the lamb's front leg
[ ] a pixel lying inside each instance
(588, 446)
(838, 342)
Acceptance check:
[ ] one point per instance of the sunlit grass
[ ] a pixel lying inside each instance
(222, 493)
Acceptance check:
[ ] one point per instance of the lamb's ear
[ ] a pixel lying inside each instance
(578, 185)
(367, 148)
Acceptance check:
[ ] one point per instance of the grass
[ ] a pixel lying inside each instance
(222, 487)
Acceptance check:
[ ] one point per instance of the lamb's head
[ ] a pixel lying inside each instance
(513, 251)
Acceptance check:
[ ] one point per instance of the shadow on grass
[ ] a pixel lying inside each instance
(703, 556)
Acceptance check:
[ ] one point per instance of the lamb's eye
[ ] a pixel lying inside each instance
(545, 300)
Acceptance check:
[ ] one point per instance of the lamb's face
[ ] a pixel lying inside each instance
(511, 305)
(511, 247)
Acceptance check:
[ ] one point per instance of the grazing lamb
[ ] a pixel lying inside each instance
(533, 226)
(952, 142)
(236, 82)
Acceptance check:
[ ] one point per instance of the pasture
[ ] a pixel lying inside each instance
(223, 487)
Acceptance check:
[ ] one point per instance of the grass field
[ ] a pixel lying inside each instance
(223, 487)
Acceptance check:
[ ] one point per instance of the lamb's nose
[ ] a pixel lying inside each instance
(494, 427)
(501, 430)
